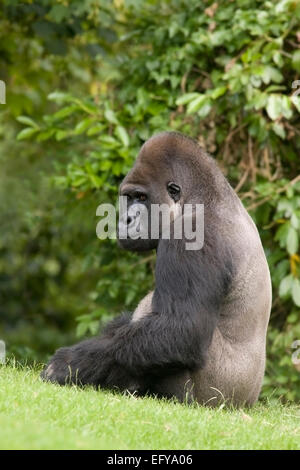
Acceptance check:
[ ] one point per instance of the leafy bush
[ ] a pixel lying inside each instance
(223, 72)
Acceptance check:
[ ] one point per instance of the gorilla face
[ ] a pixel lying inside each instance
(134, 230)
(144, 214)
(151, 196)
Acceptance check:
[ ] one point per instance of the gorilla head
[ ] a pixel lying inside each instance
(167, 173)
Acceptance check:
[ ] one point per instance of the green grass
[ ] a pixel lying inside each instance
(36, 415)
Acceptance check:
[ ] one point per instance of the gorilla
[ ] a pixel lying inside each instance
(200, 335)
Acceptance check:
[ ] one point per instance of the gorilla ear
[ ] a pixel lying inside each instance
(174, 191)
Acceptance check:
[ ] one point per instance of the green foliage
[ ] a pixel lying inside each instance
(95, 79)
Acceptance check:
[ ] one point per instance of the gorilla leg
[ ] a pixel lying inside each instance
(179, 386)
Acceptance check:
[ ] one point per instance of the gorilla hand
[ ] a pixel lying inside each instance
(80, 364)
(89, 363)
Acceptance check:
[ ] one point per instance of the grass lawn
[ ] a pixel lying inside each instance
(36, 415)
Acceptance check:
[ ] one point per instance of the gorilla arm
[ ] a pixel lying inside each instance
(152, 346)
(175, 336)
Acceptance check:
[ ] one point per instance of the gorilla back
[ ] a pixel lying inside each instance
(201, 334)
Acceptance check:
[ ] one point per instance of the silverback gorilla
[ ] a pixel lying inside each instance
(201, 334)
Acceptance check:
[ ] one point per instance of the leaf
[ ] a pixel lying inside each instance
(58, 13)
(110, 116)
(286, 106)
(280, 271)
(271, 74)
(278, 129)
(82, 328)
(285, 286)
(186, 98)
(196, 104)
(286, 206)
(131, 293)
(282, 6)
(292, 241)
(27, 121)
(105, 165)
(94, 327)
(219, 37)
(282, 233)
(274, 106)
(82, 126)
(292, 317)
(279, 105)
(290, 192)
(278, 59)
(296, 102)
(295, 221)
(109, 141)
(26, 133)
(121, 133)
(217, 92)
(45, 135)
(271, 88)
(59, 97)
(296, 292)
(65, 112)
(95, 129)
(296, 60)
(89, 108)
(61, 134)
(78, 181)
(205, 109)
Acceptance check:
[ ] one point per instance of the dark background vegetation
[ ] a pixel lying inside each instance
(88, 81)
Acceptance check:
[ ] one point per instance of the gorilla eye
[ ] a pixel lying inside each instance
(142, 197)
(174, 191)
